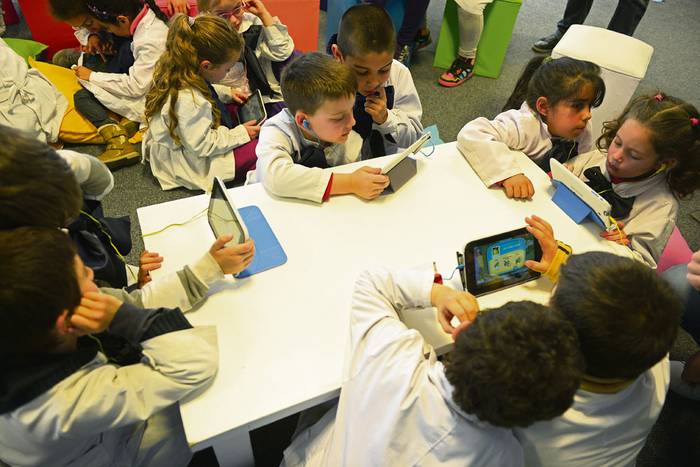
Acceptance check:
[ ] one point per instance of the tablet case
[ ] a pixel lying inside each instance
(573, 206)
(400, 174)
(268, 251)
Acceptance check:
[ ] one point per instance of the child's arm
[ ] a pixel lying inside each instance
(275, 43)
(403, 120)
(95, 179)
(492, 146)
(188, 286)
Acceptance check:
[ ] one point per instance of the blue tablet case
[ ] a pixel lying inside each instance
(268, 251)
(572, 205)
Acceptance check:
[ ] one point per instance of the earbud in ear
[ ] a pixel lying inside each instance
(305, 124)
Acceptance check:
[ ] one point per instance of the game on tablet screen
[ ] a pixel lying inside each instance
(503, 260)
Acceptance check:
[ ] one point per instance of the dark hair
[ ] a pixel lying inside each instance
(107, 11)
(37, 283)
(313, 78)
(626, 317)
(37, 187)
(515, 365)
(366, 29)
(556, 79)
(674, 128)
(65, 10)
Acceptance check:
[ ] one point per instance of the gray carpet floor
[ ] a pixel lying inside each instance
(671, 27)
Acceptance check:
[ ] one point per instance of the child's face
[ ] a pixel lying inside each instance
(568, 118)
(630, 153)
(372, 70)
(85, 277)
(230, 10)
(215, 73)
(332, 122)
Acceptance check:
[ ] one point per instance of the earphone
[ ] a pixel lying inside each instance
(305, 124)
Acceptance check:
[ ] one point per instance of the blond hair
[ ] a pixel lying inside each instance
(314, 78)
(207, 38)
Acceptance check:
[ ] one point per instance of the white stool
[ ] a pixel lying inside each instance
(623, 61)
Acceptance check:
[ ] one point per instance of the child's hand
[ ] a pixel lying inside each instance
(252, 128)
(233, 259)
(176, 6)
(618, 235)
(569, 167)
(375, 106)
(148, 262)
(238, 97)
(83, 73)
(543, 232)
(368, 182)
(257, 8)
(518, 186)
(451, 303)
(694, 271)
(94, 314)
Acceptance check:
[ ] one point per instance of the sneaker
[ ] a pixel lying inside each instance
(423, 38)
(546, 44)
(405, 54)
(461, 70)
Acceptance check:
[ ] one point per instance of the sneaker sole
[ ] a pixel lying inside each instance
(125, 161)
(541, 50)
(453, 84)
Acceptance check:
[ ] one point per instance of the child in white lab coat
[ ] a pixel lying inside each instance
(546, 117)
(122, 93)
(191, 135)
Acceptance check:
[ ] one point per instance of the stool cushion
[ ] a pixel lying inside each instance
(676, 252)
(24, 47)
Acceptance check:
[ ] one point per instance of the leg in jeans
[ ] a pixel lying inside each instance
(575, 13)
(414, 12)
(92, 109)
(676, 276)
(627, 16)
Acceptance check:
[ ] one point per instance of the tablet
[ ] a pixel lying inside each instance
(497, 262)
(253, 109)
(599, 205)
(412, 149)
(224, 218)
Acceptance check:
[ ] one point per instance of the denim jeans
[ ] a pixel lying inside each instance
(676, 276)
(627, 15)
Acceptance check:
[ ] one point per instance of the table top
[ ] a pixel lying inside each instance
(282, 333)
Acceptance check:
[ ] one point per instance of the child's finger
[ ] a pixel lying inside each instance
(221, 241)
(542, 224)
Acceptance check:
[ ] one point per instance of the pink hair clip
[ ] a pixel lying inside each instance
(659, 97)
(694, 122)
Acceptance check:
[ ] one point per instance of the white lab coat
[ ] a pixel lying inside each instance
(396, 406)
(653, 216)
(275, 45)
(599, 429)
(125, 93)
(491, 146)
(93, 176)
(28, 100)
(204, 151)
(279, 139)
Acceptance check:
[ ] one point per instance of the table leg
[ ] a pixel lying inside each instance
(234, 450)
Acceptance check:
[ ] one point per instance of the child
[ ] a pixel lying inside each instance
(313, 133)
(552, 122)
(122, 93)
(626, 319)
(387, 107)
(191, 136)
(64, 400)
(648, 157)
(470, 16)
(267, 45)
(510, 367)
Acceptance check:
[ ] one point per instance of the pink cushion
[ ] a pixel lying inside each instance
(676, 252)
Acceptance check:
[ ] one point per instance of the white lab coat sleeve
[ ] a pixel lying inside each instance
(224, 92)
(194, 114)
(403, 120)
(377, 301)
(649, 231)
(102, 398)
(278, 172)
(275, 43)
(491, 146)
(93, 176)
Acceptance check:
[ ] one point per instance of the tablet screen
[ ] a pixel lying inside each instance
(253, 109)
(499, 261)
(221, 217)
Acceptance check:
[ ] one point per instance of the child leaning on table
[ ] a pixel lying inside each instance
(313, 133)
(546, 117)
(626, 318)
(89, 377)
(646, 159)
(387, 108)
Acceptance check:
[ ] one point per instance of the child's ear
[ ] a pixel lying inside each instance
(123, 20)
(63, 325)
(205, 65)
(300, 117)
(337, 54)
(542, 106)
